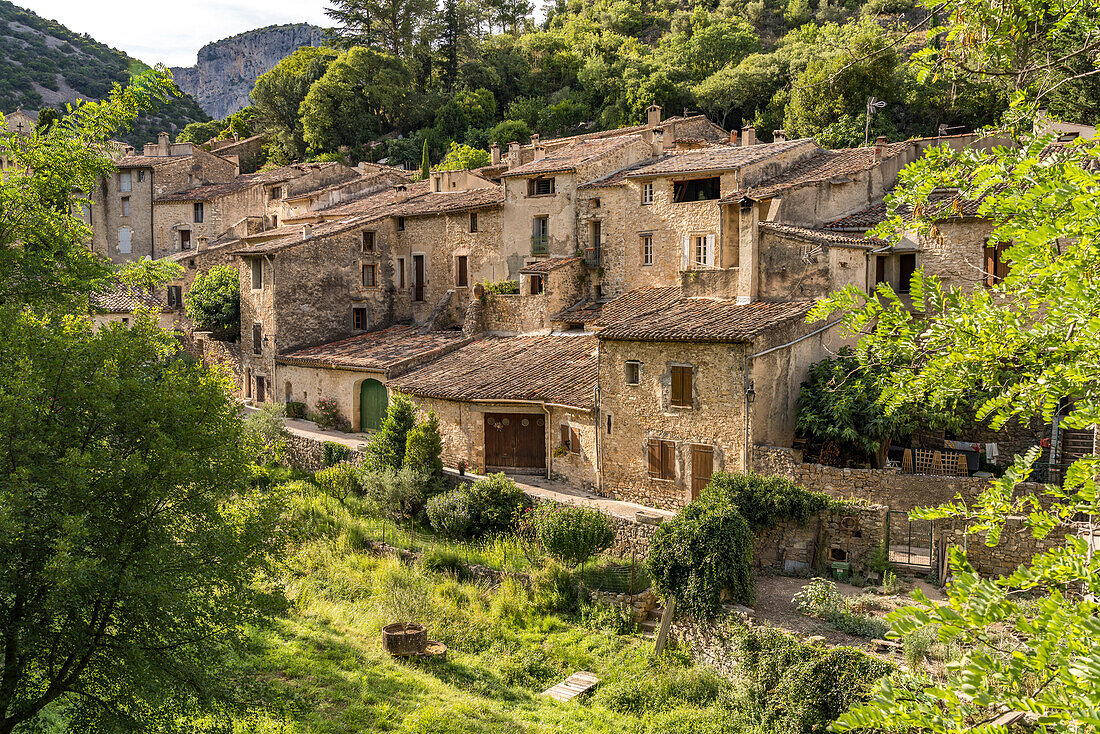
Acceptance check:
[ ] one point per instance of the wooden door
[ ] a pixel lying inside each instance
(907, 265)
(515, 440)
(702, 466)
(259, 389)
(418, 277)
(372, 405)
(880, 269)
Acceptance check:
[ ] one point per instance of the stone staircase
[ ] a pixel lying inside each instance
(649, 626)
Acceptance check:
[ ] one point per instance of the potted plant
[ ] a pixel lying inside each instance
(461, 467)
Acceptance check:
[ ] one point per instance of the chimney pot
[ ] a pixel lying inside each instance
(400, 193)
(494, 154)
(513, 154)
(780, 136)
(658, 141)
(653, 115)
(748, 136)
(307, 231)
(880, 147)
(733, 137)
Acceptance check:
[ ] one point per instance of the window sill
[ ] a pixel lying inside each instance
(541, 196)
(670, 480)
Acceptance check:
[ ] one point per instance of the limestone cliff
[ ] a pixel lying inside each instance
(227, 69)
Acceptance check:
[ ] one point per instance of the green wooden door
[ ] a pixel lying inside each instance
(372, 405)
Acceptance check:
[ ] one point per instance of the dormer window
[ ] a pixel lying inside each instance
(540, 186)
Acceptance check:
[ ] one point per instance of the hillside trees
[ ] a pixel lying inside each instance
(279, 93)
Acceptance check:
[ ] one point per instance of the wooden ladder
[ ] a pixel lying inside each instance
(572, 686)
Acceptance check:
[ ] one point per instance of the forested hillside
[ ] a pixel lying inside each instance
(44, 64)
(481, 71)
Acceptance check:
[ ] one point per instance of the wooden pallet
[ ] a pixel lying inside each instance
(572, 686)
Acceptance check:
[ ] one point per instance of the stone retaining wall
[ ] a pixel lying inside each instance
(849, 536)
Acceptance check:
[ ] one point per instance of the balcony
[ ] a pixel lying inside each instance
(540, 244)
(592, 256)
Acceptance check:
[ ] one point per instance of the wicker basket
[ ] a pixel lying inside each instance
(404, 638)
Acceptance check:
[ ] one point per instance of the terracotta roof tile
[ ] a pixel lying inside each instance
(946, 203)
(148, 161)
(545, 266)
(716, 158)
(120, 298)
(291, 235)
(387, 350)
(824, 166)
(372, 204)
(820, 236)
(707, 320)
(587, 312)
(568, 157)
(637, 302)
(432, 202)
(558, 369)
(209, 192)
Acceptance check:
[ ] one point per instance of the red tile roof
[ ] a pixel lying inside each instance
(545, 266)
(120, 298)
(387, 350)
(587, 312)
(637, 302)
(945, 204)
(568, 157)
(820, 236)
(208, 192)
(707, 320)
(824, 166)
(716, 158)
(432, 202)
(557, 369)
(148, 161)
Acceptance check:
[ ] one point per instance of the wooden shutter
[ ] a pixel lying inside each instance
(667, 460)
(990, 266)
(565, 435)
(702, 467)
(654, 458)
(686, 386)
(574, 441)
(712, 252)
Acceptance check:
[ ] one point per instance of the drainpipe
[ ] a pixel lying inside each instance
(748, 381)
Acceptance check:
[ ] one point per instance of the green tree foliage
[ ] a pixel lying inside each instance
(279, 93)
(841, 404)
(510, 131)
(450, 514)
(463, 157)
(126, 511)
(701, 556)
(362, 94)
(392, 26)
(764, 501)
(490, 505)
(424, 449)
(398, 495)
(573, 535)
(339, 481)
(265, 434)
(200, 132)
(213, 302)
(425, 161)
(387, 448)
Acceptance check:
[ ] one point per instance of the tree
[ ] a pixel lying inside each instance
(278, 95)
(47, 118)
(572, 535)
(265, 434)
(387, 448)
(361, 94)
(510, 131)
(128, 529)
(389, 25)
(734, 93)
(425, 161)
(213, 302)
(463, 157)
(424, 449)
(200, 132)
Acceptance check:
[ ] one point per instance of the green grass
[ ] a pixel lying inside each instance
(319, 666)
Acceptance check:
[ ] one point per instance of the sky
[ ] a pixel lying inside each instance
(172, 32)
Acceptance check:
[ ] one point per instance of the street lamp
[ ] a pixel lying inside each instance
(873, 106)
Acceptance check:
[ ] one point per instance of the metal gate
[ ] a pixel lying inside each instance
(910, 540)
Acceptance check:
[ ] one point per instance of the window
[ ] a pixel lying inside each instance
(996, 267)
(125, 321)
(632, 373)
(260, 393)
(124, 240)
(175, 296)
(185, 239)
(125, 206)
(536, 285)
(359, 319)
(596, 203)
(473, 221)
(662, 461)
(125, 181)
(696, 189)
(368, 241)
(287, 392)
(593, 253)
(190, 178)
(257, 338)
(570, 439)
(461, 275)
(700, 251)
(540, 236)
(369, 275)
(647, 249)
(439, 183)
(276, 192)
(86, 212)
(608, 424)
(400, 272)
(681, 386)
(540, 186)
(141, 176)
(274, 220)
(880, 269)
(257, 274)
(647, 193)
(400, 224)
(907, 263)
(198, 212)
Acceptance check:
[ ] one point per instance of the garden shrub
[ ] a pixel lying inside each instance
(502, 287)
(424, 449)
(333, 453)
(295, 409)
(554, 589)
(530, 669)
(699, 554)
(399, 496)
(449, 514)
(820, 598)
(917, 644)
(604, 617)
(339, 481)
(213, 302)
(668, 683)
(445, 560)
(572, 535)
(387, 448)
(265, 433)
(329, 416)
(764, 501)
(495, 503)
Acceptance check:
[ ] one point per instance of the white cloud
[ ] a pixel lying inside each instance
(172, 33)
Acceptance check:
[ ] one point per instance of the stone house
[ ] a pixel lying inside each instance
(119, 302)
(121, 214)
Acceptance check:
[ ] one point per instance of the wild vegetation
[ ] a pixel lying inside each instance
(30, 64)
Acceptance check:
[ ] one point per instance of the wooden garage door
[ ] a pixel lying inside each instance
(515, 440)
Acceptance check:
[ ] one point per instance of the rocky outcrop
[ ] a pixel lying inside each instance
(227, 70)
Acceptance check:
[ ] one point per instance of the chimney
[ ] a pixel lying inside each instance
(162, 142)
(236, 137)
(880, 147)
(748, 136)
(307, 231)
(653, 116)
(494, 154)
(539, 151)
(733, 137)
(658, 141)
(513, 154)
(400, 193)
(779, 136)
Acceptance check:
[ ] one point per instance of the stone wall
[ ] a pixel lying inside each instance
(515, 313)
(850, 536)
